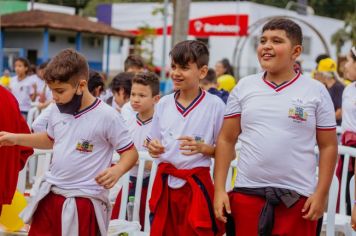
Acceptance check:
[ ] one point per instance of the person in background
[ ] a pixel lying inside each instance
(225, 75)
(22, 86)
(209, 83)
(134, 63)
(326, 73)
(121, 89)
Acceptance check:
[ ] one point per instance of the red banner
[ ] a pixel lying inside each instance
(220, 25)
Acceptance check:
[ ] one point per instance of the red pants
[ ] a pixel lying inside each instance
(116, 208)
(246, 210)
(176, 222)
(48, 216)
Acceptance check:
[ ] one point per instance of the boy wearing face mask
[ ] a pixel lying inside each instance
(83, 132)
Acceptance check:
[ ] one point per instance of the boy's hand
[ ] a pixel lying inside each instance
(189, 146)
(155, 148)
(353, 218)
(7, 139)
(108, 177)
(314, 206)
(221, 204)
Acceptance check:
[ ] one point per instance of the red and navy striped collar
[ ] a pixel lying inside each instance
(142, 122)
(185, 111)
(89, 108)
(278, 88)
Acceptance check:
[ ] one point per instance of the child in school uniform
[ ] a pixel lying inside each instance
(184, 129)
(278, 116)
(22, 86)
(83, 132)
(144, 96)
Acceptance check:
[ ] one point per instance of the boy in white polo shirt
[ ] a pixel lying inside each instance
(83, 132)
(278, 116)
(144, 96)
(184, 129)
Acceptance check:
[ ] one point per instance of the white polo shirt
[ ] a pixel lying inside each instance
(202, 119)
(84, 145)
(349, 108)
(139, 129)
(278, 131)
(22, 90)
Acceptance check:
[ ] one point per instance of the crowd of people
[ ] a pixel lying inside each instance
(277, 115)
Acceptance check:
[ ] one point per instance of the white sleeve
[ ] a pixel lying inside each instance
(41, 122)
(118, 135)
(233, 106)
(50, 129)
(219, 119)
(155, 128)
(325, 114)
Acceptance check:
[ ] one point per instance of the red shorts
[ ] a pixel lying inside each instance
(246, 210)
(47, 220)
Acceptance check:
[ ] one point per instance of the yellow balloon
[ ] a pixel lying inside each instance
(9, 218)
(226, 82)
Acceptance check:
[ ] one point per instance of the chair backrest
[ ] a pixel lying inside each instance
(331, 210)
(31, 115)
(352, 190)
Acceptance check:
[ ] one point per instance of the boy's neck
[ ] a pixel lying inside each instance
(146, 115)
(280, 76)
(187, 96)
(87, 100)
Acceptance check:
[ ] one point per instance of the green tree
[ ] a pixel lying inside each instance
(345, 34)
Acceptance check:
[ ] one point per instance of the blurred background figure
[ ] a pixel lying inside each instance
(224, 74)
(5, 79)
(210, 84)
(326, 73)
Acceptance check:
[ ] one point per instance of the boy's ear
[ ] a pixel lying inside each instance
(156, 98)
(297, 50)
(203, 72)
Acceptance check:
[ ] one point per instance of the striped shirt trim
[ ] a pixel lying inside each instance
(127, 147)
(326, 127)
(143, 122)
(50, 138)
(283, 85)
(192, 105)
(89, 108)
(232, 115)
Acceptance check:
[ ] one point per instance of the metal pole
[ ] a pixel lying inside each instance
(78, 41)
(165, 16)
(45, 45)
(108, 56)
(32, 4)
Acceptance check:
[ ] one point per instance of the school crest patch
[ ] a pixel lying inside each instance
(85, 146)
(297, 113)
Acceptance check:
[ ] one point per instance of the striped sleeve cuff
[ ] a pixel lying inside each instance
(332, 127)
(232, 115)
(127, 147)
(50, 138)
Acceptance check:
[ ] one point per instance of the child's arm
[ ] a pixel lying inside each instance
(315, 204)
(224, 154)
(111, 175)
(190, 146)
(37, 140)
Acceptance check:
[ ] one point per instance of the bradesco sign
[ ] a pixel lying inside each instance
(220, 25)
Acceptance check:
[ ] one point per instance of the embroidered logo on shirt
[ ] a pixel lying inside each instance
(298, 114)
(85, 146)
(198, 139)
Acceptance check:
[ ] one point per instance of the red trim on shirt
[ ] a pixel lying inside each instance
(52, 139)
(91, 107)
(279, 88)
(326, 128)
(194, 104)
(232, 116)
(124, 149)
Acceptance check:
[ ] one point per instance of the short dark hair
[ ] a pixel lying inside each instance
(25, 62)
(210, 77)
(148, 79)
(193, 51)
(95, 80)
(68, 66)
(133, 61)
(321, 57)
(43, 65)
(123, 81)
(292, 29)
